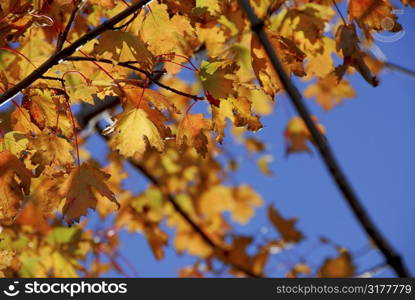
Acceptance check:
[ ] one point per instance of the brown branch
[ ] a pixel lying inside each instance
(129, 65)
(391, 256)
(61, 55)
(62, 37)
(396, 67)
(339, 12)
(126, 23)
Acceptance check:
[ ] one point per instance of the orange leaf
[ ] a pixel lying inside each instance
(285, 227)
(11, 190)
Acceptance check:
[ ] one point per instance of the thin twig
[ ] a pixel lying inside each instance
(391, 256)
(395, 67)
(129, 65)
(64, 34)
(340, 12)
(126, 23)
(52, 78)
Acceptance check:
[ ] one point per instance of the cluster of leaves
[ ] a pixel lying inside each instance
(43, 184)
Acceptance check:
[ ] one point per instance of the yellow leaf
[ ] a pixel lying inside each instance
(348, 44)
(217, 78)
(14, 142)
(78, 190)
(304, 25)
(376, 15)
(192, 132)
(297, 135)
(239, 201)
(329, 92)
(50, 150)
(290, 55)
(11, 190)
(123, 46)
(132, 129)
(164, 34)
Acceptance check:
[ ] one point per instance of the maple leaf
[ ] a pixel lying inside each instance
(14, 142)
(290, 55)
(408, 2)
(133, 129)
(165, 34)
(341, 266)
(105, 3)
(217, 78)
(190, 272)
(321, 64)
(285, 227)
(78, 190)
(239, 201)
(124, 46)
(21, 122)
(6, 259)
(300, 268)
(212, 7)
(376, 15)
(46, 193)
(78, 90)
(297, 135)
(238, 254)
(136, 95)
(192, 132)
(31, 215)
(50, 149)
(42, 108)
(239, 111)
(11, 190)
(329, 92)
(246, 199)
(157, 240)
(348, 43)
(304, 25)
(263, 164)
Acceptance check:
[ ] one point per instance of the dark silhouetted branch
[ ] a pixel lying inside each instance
(392, 257)
(62, 37)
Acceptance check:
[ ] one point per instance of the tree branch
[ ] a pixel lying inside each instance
(391, 256)
(129, 65)
(61, 55)
(396, 67)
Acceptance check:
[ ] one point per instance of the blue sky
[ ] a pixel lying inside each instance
(373, 139)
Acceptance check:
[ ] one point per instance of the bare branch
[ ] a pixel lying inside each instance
(392, 257)
(64, 34)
